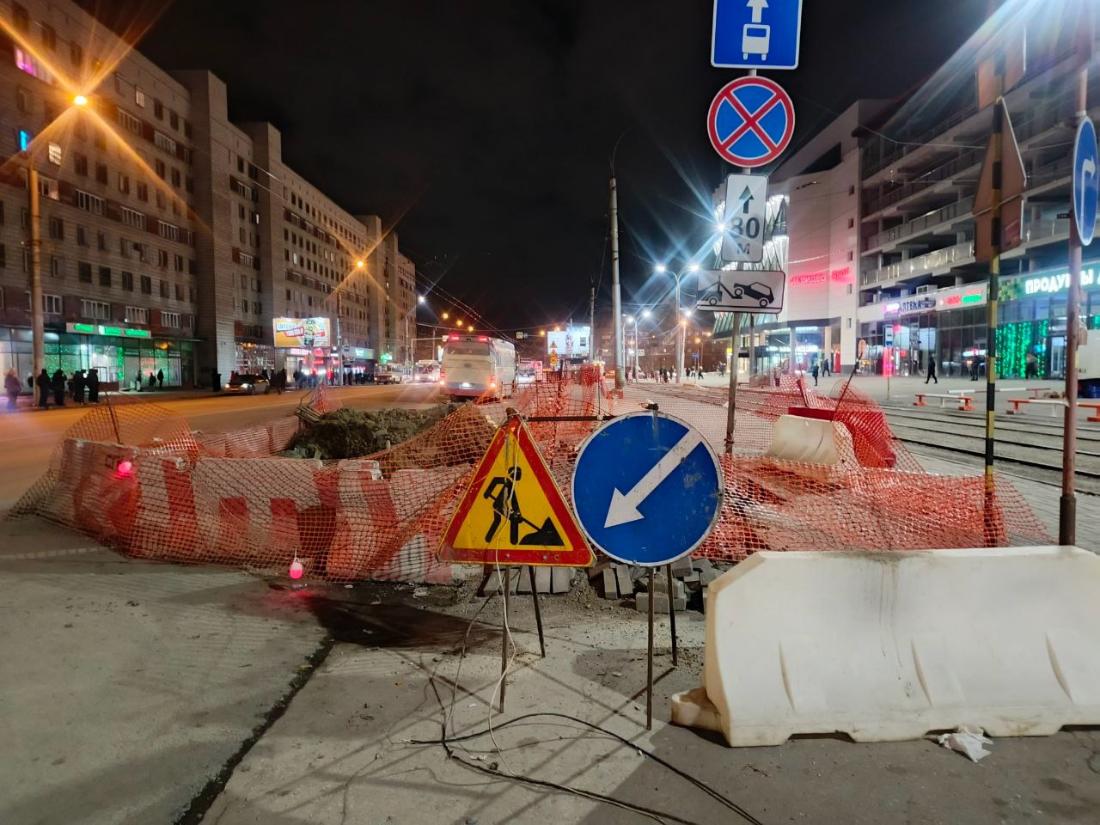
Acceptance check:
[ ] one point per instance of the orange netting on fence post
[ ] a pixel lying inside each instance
(133, 475)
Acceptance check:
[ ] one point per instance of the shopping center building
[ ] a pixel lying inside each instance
(922, 295)
(171, 240)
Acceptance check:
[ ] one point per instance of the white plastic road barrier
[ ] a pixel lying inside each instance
(889, 646)
(810, 440)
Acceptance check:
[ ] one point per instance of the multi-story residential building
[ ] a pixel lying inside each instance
(172, 239)
(922, 295)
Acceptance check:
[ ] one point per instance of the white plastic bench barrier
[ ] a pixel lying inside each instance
(889, 646)
(810, 440)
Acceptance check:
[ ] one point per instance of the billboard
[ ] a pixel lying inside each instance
(302, 332)
(572, 342)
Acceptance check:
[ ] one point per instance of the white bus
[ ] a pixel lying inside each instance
(477, 365)
(426, 372)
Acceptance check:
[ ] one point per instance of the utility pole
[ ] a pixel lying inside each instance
(37, 320)
(681, 331)
(616, 298)
(593, 350)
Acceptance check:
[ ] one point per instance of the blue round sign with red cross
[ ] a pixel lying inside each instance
(751, 121)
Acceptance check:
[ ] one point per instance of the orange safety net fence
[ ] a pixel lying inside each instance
(133, 475)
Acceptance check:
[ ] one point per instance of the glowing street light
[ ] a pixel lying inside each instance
(661, 269)
(420, 299)
(359, 264)
(80, 100)
(542, 333)
(445, 316)
(458, 323)
(646, 313)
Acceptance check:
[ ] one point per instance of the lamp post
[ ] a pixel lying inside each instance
(681, 322)
(630, 319)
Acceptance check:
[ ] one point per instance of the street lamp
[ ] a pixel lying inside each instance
(630, 319)
(662, 269)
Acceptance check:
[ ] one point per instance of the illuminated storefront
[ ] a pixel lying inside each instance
(950, 325)
(119, 354)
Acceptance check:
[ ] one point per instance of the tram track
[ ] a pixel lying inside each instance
(1031, 450)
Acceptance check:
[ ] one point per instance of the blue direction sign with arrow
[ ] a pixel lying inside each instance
(1086, 183)
(756, 34)
(647, 488)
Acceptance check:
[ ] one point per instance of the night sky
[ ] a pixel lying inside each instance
(483, 128)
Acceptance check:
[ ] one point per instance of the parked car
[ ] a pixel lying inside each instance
(386, 376)
(247, 384)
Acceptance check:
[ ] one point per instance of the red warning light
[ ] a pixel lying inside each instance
(124, 468)
(296, 570)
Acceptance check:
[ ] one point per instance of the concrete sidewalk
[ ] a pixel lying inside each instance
(127, 685)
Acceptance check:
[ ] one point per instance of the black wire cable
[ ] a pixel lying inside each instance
(445, 741)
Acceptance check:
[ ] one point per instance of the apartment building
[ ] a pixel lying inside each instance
(922, 296)
(173, 240)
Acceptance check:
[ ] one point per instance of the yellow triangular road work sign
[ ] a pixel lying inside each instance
(512, 512)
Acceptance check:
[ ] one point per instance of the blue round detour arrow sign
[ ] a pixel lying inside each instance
(1086, 181)
(647, 488)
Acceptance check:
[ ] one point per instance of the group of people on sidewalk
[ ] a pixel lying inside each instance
(82, 387)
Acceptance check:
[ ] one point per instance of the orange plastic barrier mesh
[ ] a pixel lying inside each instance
(133, 475)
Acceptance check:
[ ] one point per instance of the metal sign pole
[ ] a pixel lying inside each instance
(672, 613)
(991, 320)
(649, 661)
(504, 639)
(538, 612)
(731, 412)
(1067, 504)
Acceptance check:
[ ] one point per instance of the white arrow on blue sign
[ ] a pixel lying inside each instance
(756, 34)
(1086, 182)
(647, 488)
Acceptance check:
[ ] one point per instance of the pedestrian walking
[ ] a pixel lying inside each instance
(931, 376)
(814, 372)
(160, 379)
(78, 386)
(44, 387)
(280, 381)
(152, 380)
(1031, 368)
(57, 384)
(93, 386)
(12, 386)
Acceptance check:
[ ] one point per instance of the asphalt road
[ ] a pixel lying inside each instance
(28, 437)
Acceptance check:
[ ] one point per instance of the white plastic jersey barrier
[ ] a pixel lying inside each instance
(810, 440)
(889, 646)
